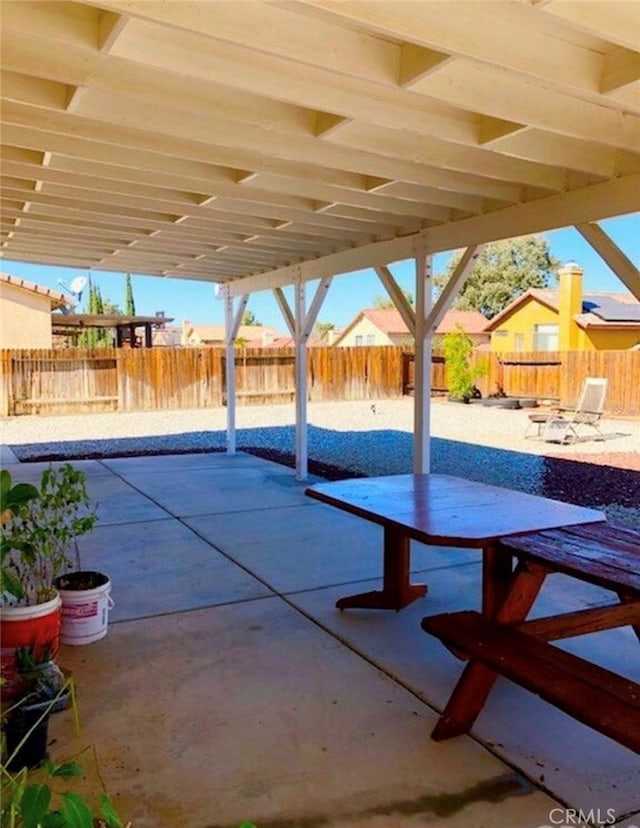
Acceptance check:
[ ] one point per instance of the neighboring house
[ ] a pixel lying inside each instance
(258, 335)
(567, 319)
(25, 313)
(169, 336)
(281, 342)
(385, 326)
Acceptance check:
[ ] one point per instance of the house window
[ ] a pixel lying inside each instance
(371, 339)
(358, 339)
(545, 337)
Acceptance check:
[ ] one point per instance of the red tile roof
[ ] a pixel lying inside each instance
(57, 299)
(390, 321)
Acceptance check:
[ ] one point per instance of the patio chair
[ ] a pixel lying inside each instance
(564, 423)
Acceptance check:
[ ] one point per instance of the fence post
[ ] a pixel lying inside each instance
(6, 382)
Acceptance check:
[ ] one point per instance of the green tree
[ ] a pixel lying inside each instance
(321, 329)
(504, 270)
(461, 372)
(129, 302)
(249, 318)
(97, 306)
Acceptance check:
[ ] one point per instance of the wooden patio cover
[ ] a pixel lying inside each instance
(230, 141)
(264, 143)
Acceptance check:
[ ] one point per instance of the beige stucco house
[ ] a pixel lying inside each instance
(385, 326)
(258, 335)
(25, 312)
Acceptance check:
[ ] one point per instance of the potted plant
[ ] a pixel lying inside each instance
(42, 690)
(461, 374)
(38, 543)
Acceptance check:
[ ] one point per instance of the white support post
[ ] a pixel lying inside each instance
(281, 299)
(428, 317)
(453, 286)
(423, 347)
(316, 304)
(397, 297)
(301, 381)
(304, 322)
(232, 321)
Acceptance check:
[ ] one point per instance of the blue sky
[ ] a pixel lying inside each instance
(184, 299)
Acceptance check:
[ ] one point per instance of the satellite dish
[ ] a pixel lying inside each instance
(78, 285)
(74, 290)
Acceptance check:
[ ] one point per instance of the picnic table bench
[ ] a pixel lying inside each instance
(507, 643)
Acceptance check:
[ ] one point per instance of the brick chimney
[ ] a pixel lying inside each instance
(569, 305)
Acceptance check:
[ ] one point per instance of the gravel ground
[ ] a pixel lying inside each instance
(367, 437)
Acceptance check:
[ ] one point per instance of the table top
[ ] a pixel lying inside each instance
(446, 510)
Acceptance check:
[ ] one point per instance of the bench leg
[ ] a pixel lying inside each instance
(466, 701)
(397, 591)
(475, 683)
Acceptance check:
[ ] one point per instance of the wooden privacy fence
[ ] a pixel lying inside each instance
(149, 379)
(559, 375)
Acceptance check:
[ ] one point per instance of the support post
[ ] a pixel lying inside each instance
(423, 347)
(301, 381)
(303, 325)
(232, 319)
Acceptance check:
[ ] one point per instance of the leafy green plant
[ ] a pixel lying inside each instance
(41, 533)
(461, 374)
(40, 798)
(40, 804)
(13, 497)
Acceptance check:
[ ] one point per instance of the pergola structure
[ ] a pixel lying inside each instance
(273, 143)
(125, 327)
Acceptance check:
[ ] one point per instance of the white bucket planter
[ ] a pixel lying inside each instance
(85, 611)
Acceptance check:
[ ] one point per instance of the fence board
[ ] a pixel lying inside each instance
(152, 379)
(621, 368)
(44, 381)
(532, 374)
(145, 379)
(355, 373)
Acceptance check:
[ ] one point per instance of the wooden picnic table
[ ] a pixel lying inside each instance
(442, 510)
(522, 650)
(545, 537)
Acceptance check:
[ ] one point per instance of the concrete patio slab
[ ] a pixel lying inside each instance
(190, 462)
(162, 567)
(216, 489)
(299, 547)
(550, 747)
(229, 687)
(31, 472)
(252, 712)
(7, 456)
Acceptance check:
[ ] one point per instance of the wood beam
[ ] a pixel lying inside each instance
(397, 296)
(599, 201)
(287, 314)
(604, 245)
(452, 288)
